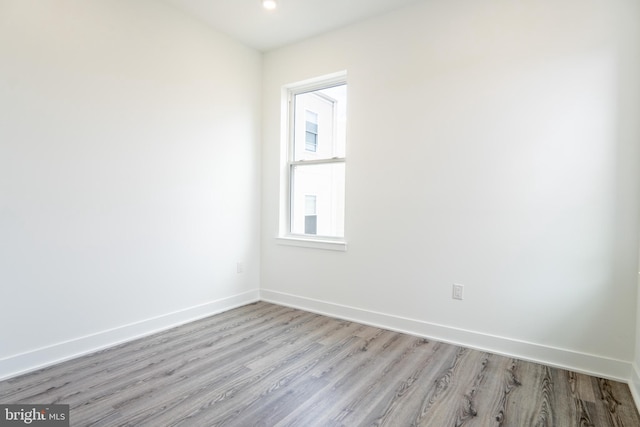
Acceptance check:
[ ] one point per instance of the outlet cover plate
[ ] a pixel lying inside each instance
(458, 291)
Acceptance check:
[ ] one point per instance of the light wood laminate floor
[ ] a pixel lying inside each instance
(268, 365)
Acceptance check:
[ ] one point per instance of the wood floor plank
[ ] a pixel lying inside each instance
(330, 356)
(378, 384)
(448, 387)
(486, 394)
(269, 365)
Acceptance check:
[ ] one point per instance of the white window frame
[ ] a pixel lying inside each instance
(286, 237)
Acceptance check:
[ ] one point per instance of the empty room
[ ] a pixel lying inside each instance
(320, 213)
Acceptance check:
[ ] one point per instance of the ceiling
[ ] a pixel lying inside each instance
(293, 20)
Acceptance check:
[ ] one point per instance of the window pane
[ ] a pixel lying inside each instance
(320, 124)
(311, 224)
(326, 183)
(311, 118)
(309, 205)
(311, 141)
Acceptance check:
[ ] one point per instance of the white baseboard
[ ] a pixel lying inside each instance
(60, 352)
(561, 358)
(634, 384)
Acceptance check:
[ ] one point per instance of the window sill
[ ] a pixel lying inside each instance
(331, 245)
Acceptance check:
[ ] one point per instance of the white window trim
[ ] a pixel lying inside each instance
(309, 242)
(285, 237)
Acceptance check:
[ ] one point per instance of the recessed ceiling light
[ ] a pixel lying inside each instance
(269, 4)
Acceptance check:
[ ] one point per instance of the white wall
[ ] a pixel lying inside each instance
(129, 174)
(492, 144)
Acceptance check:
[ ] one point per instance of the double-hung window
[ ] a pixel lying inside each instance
(315, 169)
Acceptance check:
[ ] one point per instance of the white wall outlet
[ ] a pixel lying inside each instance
(458, 291)
(239, 267)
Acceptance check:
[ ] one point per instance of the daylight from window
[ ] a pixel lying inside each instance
(317, 162)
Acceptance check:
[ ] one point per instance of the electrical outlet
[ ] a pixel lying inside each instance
(239, 267)
(458, 291)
